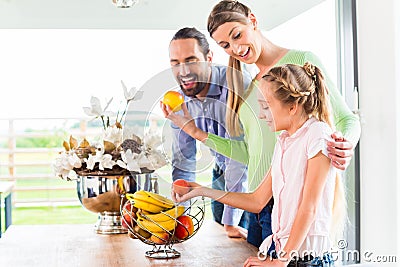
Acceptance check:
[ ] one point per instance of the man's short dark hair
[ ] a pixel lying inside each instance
(193, 33)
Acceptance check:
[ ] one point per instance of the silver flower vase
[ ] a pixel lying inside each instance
(104, 195)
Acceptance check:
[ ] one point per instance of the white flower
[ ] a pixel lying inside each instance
(151, 160)
(95, 108)
(113, 134)
(91, 161)
(129, 161)
(66, 163)
(99, 148)
(106, 161)
(133, 93)
(156, 159)
(144, 162)
(152, 140)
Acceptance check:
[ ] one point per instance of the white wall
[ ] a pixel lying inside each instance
(397, 58)
(146, 14)
(379, 70)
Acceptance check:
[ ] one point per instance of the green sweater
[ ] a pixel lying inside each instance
(257, 148)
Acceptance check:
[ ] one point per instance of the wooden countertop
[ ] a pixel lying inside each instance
(79, 245)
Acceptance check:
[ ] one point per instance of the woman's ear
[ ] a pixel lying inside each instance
(253, 20)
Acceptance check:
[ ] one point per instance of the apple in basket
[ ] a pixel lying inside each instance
(128, 212)
(184, 228)
(181, 187)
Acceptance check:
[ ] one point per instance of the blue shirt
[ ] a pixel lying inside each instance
(209, 115)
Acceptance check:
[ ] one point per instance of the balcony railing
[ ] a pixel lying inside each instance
(29, 146)
(23, 161)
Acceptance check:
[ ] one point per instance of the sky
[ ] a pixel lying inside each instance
(53, 73)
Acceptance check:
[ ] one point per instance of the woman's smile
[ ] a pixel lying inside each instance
(245, 55)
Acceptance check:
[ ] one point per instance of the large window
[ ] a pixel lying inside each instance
(313, 30)
(328, 31)
(53, 73)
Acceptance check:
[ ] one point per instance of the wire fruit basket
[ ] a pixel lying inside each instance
(157, 221)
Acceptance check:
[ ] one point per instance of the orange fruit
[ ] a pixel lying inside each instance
(160, 238)
(174, 100)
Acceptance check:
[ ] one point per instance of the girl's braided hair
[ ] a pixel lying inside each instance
(303, 85)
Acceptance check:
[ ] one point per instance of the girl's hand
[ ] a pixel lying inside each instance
(255, 261)
(195, 190)
(340, 151)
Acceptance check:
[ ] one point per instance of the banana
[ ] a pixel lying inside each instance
(153, 198)
(141, 232)
(155, 227)
(165, 215)
(145, 212)
(147, 206)
(120, 181)
(165, 202)
(150, 202)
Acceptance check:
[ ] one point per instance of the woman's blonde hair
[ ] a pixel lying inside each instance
(223, 12)
(305, 86)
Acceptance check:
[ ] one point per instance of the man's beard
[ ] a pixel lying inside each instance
(192, 92)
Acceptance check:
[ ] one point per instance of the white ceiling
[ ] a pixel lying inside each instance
(147, 14)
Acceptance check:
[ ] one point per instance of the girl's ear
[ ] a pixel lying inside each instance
(253, 20)
(293, 108)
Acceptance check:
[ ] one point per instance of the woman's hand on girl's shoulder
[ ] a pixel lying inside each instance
(340, 151)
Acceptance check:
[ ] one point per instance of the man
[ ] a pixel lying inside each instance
(205, 91)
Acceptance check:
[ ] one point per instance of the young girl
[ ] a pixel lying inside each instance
(302, 179)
